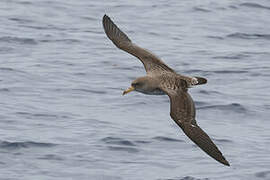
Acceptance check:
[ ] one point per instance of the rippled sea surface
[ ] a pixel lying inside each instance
(62, 115)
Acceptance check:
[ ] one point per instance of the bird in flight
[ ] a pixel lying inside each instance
(161, 79)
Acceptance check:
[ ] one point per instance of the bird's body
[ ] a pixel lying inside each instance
(160, 79)
(169, 80)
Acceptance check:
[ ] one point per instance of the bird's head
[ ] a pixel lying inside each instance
(141, 84)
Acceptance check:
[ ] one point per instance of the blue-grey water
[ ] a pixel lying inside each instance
(62, 115)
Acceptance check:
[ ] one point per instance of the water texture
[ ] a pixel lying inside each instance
(62, 115)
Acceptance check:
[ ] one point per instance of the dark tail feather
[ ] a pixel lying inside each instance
(201, 80)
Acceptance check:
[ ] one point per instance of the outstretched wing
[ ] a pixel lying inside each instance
(151, 62)
(183, 113)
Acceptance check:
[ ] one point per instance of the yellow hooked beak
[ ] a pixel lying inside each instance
(128, 90)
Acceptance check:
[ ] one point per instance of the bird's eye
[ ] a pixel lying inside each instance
(134, 84)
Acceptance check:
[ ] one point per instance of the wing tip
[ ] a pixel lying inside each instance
(105, 17)
(114, 33)
(108, 26)
(199, 137)
(225, 162)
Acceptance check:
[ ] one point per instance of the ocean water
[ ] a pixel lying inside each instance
(62, 115)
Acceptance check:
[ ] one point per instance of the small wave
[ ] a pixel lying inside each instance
(19, 40)
(12, 70)
(26, 144)
(51, 157)
(255, 5)
(195, 71)
(229, 107)
(267, 106)
(215, 37)
(103, 176)
(257, 53)
(208, 92)
(93, 31)
(126, 68)
(233, 56)
(153, 33)
(117, 141)
(142, 142)
(200, 103)
(249, 36)
(6, 69)
(200, 9)
(80, 74)
(41, 115)
(90, 18)
(223, 140)
(96, 121)
(44, 27)
(23, 21)
(263, 174)
(60, 40)
(90, 91)
(4, 90)
(186, 178)
(24, 2)
(233, 7)
(163, 138)
(121, 148)
(230, 72)
(45, 115)
(36, 27)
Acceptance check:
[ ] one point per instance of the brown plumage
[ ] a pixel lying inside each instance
(161, 79)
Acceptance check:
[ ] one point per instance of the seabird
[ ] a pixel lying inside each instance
(161, 79)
